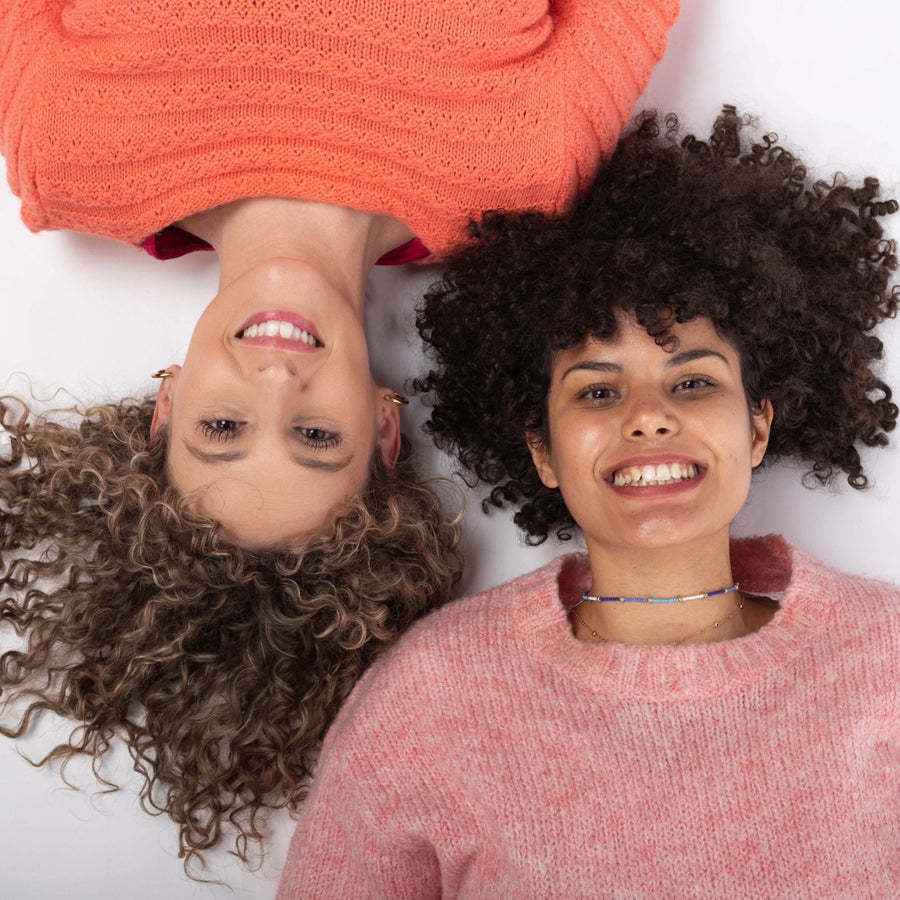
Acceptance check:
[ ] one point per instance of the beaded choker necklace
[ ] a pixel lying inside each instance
(725, 590)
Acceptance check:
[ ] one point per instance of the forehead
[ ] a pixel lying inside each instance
(268, 500)
(254, 516)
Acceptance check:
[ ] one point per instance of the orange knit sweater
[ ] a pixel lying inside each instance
(120, 117)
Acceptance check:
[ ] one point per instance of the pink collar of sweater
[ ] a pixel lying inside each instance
(809, 603)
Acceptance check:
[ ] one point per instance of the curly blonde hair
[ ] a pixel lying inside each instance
(220, 668)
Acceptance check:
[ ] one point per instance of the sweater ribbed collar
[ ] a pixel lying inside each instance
(808, 593)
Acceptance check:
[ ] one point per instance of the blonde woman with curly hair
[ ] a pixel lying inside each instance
(219, 667)
(304, 143)
(208, 574)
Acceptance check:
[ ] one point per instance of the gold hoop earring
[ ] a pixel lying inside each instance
(162, 373)
(397, 397)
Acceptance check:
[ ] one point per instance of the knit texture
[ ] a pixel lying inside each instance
(491, 754)
(120, 117)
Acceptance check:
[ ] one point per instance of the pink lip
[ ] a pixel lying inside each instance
(281, 315)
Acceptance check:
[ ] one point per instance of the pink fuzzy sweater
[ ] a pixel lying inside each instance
(120, 117)
(492, 755)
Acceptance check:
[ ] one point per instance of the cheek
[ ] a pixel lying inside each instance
(200, 376)
(577, 453)
(734, 432)
(740, 468)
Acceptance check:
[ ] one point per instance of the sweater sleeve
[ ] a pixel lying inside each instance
(25, 26)
(609, 49)
(357, 836)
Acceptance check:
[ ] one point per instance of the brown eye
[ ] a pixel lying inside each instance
(318, 438)
(599, 393)
(219, 429)
(694, 382)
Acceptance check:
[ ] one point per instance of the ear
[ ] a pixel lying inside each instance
(761, 422)
(388, 429)
(163, 408)
(540, 456)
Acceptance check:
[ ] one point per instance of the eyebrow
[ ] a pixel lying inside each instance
(229, 456)
(593, 365)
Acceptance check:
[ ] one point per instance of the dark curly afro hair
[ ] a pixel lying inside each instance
(795, 274)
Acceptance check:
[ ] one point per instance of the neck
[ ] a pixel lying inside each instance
(340, 243)
(674, 571)
(662, 572)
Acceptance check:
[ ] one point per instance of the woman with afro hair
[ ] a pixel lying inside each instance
(675, 713)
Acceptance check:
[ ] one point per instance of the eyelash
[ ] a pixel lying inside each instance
(331, 440)
(587, 394)
(208, 428)
(702, 380)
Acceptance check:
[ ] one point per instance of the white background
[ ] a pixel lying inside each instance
(97, 318)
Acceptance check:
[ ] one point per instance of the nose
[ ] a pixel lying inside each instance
(650, 416)
(276, 367)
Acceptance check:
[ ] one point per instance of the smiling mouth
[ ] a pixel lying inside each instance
(664, 473)
(280, 329)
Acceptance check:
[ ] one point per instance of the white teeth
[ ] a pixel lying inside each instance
(664, 473)
(276, 328)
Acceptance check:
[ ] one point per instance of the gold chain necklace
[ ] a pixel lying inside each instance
(599, 637)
